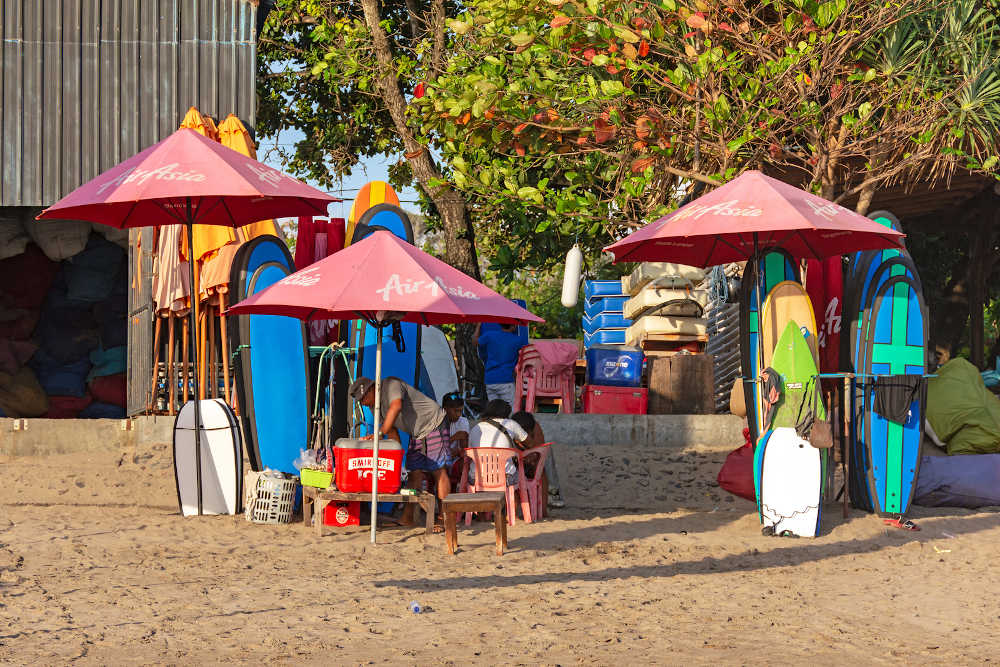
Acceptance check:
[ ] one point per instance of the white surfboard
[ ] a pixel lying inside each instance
(439, 363)
(791, 484)
(221, 459)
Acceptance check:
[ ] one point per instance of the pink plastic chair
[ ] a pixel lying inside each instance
(535, 378)
(538, 504)
(491, 475)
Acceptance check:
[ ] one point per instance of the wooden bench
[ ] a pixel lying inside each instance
(485, 501)
(314, 501)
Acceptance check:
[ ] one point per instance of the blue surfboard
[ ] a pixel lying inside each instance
(272, 362)
(895, 342)
(399, 358)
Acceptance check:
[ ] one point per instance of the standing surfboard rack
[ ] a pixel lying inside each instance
(322, 424)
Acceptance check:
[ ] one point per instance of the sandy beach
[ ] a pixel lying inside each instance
(651, 563)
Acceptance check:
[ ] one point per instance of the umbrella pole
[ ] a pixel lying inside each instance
(377, 432)
(194, 336)
(758, 288)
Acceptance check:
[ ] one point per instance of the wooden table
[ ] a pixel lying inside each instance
(321, 498)
(485, 501)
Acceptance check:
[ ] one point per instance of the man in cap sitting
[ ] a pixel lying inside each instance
(404, 408)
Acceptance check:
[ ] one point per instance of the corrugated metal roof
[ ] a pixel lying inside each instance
(85, 84)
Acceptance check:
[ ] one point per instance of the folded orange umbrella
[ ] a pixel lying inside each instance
(207, 238)
(233, 134)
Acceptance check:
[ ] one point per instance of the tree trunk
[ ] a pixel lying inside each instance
(865, 199)
(459, 237)
(460, 249)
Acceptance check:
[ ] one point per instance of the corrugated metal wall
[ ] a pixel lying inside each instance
(88, 83)
(140, 321)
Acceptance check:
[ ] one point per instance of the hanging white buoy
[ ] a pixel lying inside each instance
(571, 276)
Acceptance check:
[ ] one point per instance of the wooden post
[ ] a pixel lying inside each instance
(171, 369)
(845, 440)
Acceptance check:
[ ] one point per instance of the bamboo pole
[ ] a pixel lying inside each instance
(201, 356)
(185, 368)
(151, 402)
(223, 335)
(211, 372)
(171, 369)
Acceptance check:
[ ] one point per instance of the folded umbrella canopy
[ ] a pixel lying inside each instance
(383, 279)
(233, 134)
(188, 179)
(751, 212)
(207, 239)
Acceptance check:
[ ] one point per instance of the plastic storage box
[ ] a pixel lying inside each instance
(599, 288)
(604, 337)
(605, 321)
(605, 400)
(353, 471)
(614, 366)
(320, 479)
(607, 304)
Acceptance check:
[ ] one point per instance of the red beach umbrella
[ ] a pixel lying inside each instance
(383, 279)
(189, 179)
(749, 213)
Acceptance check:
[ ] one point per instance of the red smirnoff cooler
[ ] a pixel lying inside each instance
(353, 472)
(606, 400)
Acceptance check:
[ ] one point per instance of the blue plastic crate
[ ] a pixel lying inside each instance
(604, 337)
(605, 321)
(595, 288)
(614, 365)
(604, 304)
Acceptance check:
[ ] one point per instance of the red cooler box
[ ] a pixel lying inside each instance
(343, 514)
(605, 400)
(354, 465)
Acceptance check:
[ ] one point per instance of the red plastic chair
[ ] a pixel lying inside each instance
(536, 379)
(491, 475)
(538, 503)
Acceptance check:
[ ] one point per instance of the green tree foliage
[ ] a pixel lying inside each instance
(579, 119)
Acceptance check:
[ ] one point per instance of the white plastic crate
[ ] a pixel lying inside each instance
(269, 497)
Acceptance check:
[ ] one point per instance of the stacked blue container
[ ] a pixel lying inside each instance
(603, 322)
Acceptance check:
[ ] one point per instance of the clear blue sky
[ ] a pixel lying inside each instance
(369, 170)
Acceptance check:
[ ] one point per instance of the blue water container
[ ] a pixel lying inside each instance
(604, 337)
(596, 288)
(605, 304)
(614, 365)
(605, 321)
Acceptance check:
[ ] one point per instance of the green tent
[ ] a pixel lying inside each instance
(962, 411)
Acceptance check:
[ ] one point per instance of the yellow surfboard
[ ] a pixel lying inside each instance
(371, 194)
(787, 302)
